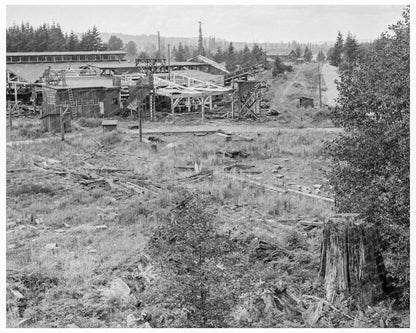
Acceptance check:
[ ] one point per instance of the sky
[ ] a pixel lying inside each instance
(242, 23)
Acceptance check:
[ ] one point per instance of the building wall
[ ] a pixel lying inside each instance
(87, 101)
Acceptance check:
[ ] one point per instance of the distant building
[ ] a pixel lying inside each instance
(285, 57)
(305, 102)
(56, 57)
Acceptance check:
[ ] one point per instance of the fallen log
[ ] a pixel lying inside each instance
(285, 301)
(270, 252)
(311, 195)
(310, 224)
(252, 182)
(233, 153)
(17, 170)
(238, 166)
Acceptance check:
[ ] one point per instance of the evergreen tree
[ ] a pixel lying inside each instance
(351, 49)
(180, 53)
(115, 43)
(336, 55)
(142, 55)
(131, 48)
(220, 55)
(72, 44)
(230, 62)
(307, 54)
(186, 52)
(321, 56)
(57, 40)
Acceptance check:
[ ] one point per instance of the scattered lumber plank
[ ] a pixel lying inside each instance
(273, 188)
(253, 182)
(184, 167)
(238, 166)
(233, 153)
(98, 143)
(311, 195)
(17, 170)
(227, 136)
(311, 224)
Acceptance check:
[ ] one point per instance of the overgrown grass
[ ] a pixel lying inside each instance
(89, 122)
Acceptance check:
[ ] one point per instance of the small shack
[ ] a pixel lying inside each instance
(88, 96)
(109, 125)
(305, 102)
(51, 122)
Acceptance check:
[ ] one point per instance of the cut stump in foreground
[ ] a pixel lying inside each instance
(351, 260)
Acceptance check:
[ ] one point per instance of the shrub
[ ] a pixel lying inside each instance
(109, 139)
(187, 250)
(371, 160)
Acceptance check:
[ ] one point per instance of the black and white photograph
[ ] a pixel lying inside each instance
(207, 165)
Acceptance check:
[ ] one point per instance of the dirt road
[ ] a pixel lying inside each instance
(330, 74)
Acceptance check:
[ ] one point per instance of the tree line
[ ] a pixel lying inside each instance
(46, 37)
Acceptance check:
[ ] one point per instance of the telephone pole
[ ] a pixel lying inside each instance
(319, 85)
(169, 62)
(158, 43)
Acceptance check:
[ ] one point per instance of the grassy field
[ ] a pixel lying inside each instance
(81, 212)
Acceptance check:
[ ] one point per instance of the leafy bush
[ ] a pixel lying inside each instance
(371, 160)
(189, 253)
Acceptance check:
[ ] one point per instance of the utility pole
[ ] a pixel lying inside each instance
(158, 43)
(169, 62)
(140, 122)
(319, 84)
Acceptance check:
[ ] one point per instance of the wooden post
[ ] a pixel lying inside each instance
(232, 105)
(151, 105)
(203, 109)
(140, 124)
(15, 93)
(319, 85)
(173, 109)
(169, 62)
(9, 107)
(61, 118)
(210, 103)
(351, 260)
(188, 104)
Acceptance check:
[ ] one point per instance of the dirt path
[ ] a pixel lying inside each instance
(227, 127)
(330, 74)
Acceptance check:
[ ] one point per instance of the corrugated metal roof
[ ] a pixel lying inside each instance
(33, 72)
(21, 54)
(128, 65)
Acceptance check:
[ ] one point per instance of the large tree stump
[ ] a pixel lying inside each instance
(351, 260)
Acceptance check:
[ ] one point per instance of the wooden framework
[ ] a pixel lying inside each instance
(186, 91)
(250, 93)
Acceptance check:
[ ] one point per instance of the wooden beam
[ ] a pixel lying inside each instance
(172, 106)
(274, 188)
